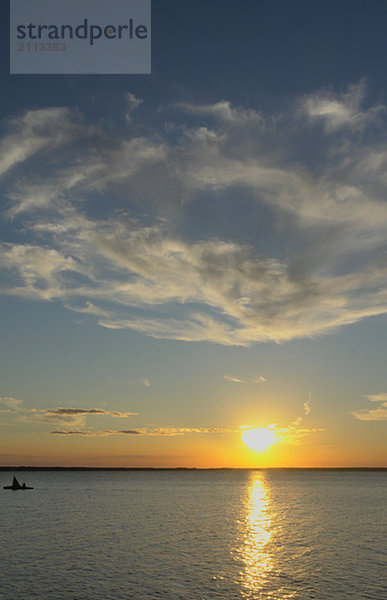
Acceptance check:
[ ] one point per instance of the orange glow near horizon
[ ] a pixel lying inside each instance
(231, 450)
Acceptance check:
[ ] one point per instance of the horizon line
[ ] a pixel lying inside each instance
(84, 468)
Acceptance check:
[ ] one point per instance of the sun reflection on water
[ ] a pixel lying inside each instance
(256, 530)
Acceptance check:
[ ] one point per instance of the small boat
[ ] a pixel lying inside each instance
(16, 486)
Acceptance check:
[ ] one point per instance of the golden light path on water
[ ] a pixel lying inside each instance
(257, 551)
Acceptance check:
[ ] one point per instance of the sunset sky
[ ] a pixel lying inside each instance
(193, 253)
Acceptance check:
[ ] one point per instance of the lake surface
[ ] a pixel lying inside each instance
(194, 535)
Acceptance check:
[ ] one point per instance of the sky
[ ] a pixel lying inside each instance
(201, 251)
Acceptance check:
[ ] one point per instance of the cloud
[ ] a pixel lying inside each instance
(196, 329)
(12, 404)
(216, 224)
(147, 431)
(41, 270)
(88, 411)
(68, 415)
(377, 397)
(256, 379)
(294, 434)
(342, 110)
(34, 131)
(224, 112)
(77, 432)
(92, 433)
(74, 417)
(89, 309)
(307, 407)
(132, 102)
(374, 414)
(173, 431)
(232, 379)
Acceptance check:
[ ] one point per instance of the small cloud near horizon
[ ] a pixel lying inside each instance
(12, 404)
(374, 414)
(66, 415)
(147, 431)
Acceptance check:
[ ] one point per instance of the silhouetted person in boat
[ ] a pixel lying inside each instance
(16, 486)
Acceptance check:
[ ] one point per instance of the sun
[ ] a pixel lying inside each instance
(258, 439)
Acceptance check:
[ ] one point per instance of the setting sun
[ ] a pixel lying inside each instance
(258, 439)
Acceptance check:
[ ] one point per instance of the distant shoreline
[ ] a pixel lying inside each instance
(26, 468)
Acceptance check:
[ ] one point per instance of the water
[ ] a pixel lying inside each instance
(194, 535)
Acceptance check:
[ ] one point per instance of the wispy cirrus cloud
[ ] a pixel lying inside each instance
(223, 112)
(342, 110)
(171, 254)
(296, 431)
(232, 379)
(374, 414)
(259, 379)
(307, 404)
(256, 379)
(131, 103)
(36, 131)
